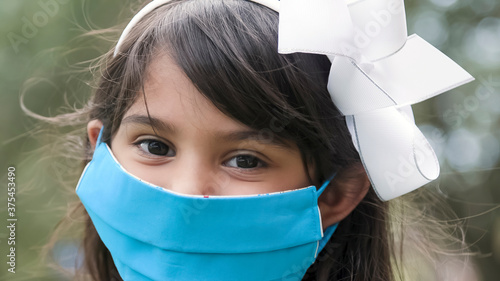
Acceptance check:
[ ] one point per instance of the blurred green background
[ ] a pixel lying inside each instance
(40, 51)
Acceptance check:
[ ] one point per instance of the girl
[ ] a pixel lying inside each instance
(217, 158)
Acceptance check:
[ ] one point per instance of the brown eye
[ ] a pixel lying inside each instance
(244, 162)
(157, 148)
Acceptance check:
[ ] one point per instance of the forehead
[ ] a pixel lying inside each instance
(170, 96)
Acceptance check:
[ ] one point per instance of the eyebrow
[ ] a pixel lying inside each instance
(244, 135)
(149, 121)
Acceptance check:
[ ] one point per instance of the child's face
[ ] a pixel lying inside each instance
(197, 149)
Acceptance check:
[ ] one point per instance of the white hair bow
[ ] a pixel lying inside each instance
(377, 72)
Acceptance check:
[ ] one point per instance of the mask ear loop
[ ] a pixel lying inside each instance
(99, 138)
(327, 234)
(325, 184)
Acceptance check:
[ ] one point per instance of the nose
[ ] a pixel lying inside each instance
(194, 176)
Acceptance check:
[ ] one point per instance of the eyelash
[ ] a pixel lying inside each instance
(140, 145)
(260, 163)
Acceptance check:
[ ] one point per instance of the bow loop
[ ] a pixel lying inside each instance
(417, 72)
(379, 27)
(396, 155)
(323, 27)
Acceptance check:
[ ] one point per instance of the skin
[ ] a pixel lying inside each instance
(196, 149)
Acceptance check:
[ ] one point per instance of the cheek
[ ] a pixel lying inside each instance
(295, 176)
(155, 175)
(127, 158)
(284, 178)
(292, 174)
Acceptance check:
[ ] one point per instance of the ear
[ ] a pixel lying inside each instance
(93, 129)
(343, 194)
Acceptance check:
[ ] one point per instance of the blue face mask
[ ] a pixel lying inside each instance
(156, 234)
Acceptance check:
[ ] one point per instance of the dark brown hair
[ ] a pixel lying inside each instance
(228, 49)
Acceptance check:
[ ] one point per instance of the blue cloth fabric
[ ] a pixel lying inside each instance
(156, 234)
